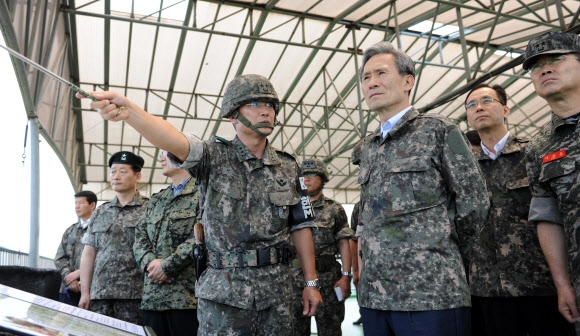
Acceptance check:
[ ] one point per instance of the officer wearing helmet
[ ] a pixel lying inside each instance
(249, 193)
(331, 236)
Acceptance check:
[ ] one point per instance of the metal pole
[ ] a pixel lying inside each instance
(363, 125)
(34, 193)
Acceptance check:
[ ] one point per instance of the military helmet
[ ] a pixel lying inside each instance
(246, 88)
(316, 166)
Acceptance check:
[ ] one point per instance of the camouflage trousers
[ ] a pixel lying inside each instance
(329, 314)
(220, 319)
(126, 310)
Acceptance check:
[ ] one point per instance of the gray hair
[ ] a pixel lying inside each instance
(405, 63)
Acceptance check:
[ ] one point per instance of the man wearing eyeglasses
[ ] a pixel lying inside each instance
(331, 236)
(553, 162)
(511, 287)
(423, 202)
(164, 241)
(252, 205)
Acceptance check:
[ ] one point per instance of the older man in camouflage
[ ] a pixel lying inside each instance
(423, 202)
(331, 236)
(252, 204)
(164, 241)
(112, 282)
(511, 287)
(553, 162)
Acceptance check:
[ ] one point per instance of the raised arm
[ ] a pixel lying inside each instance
(113, 106)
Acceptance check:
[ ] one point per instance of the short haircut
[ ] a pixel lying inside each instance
(405, 63)
(501, 95)
(89, 195)
(473, 138)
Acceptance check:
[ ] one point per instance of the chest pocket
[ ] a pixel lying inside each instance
(560, 175)
(100, 226)
(283, 200)
(413, 184)
(182, 225)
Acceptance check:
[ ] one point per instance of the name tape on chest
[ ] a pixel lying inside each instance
(554, 156)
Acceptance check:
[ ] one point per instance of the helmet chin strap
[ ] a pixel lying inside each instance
(255, 127)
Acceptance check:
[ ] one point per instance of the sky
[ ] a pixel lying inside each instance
(56, 191)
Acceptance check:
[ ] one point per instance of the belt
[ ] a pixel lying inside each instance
(323, 263)
(249, 258)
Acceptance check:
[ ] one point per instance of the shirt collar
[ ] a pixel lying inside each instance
(84, 224)
(498, 147)
(180, 187)
(243, 153)
(388, 126)
(557, 121)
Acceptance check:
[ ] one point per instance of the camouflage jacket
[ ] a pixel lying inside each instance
(165, 231)
(423, 200)
(507, 259)
(553, 165)
(246, 206)
(68, 255)
(331, 227)
(354, 219)
(111, 232)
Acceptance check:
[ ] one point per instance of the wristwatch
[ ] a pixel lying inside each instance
(348, 274)
(312, 283)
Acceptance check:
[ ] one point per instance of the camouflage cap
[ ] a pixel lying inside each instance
(127, 158)
(316, 166)
(551, 43)
(246, 88)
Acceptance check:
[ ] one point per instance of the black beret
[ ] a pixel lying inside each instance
(126, 158)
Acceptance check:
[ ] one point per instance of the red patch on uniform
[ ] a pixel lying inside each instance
(554, 156)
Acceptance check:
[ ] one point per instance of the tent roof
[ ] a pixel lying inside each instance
(175, 58)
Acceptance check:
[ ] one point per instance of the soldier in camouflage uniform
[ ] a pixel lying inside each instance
(423, 202)
(68, 255)
(331, 236)
(249, 191)
(355, 159)
(112, 280)
(164, 241)
(511, 287)
(553, 161)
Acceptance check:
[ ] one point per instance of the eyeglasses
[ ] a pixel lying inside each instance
(485, 101)
(310, 175)
(256, 104)
(550, 61)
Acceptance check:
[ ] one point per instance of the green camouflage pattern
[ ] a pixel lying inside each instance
(331, 227)
(507, 259)
(70, 249)
(558, 181)
(246, 207)
(165, 231)
(111, 232)
(423, 202)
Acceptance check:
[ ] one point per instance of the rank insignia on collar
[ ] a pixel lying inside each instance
(282, 182)
(554, 156)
